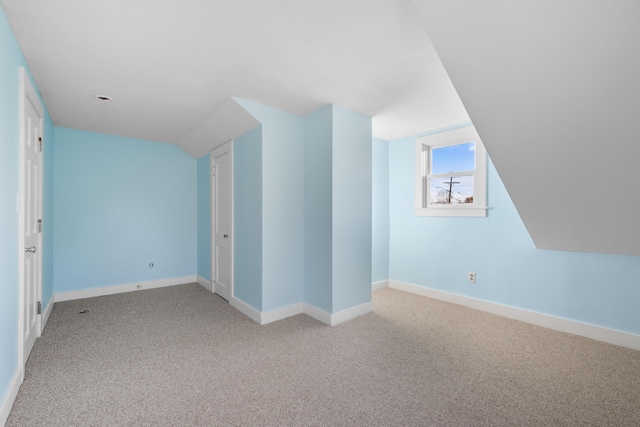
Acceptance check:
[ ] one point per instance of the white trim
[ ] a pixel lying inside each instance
(379, 285)
(463, 212)
(281, 313)
(233, 231)
(244, 308)
(212, 261)
(300, 308)
(594, 332)
(26, 92)
(351, 313)
(443, 139)
(205, 283)
(212, 217)
(317, 313)
(10, 396)
(21, 187)
(47, 312)
(339, 317)
(129, 287)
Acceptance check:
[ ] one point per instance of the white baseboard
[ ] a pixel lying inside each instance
(281, 313)
(333, 319)
(598, 333)
(47, 311)
(317, 313)
(268, 317)
(205, 283)
(118, 289)
(379, 285)
(10, 396)
(244, 308)
(300, 308)
(351, 313)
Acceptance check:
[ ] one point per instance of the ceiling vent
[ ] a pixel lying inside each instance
(103, 98)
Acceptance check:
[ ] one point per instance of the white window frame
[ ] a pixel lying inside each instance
(424, 145)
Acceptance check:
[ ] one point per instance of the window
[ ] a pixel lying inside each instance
(451, 177)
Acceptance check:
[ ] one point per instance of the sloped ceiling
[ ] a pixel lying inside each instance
(553, 89)
(172, 67)
(550, 85)
(227, 122)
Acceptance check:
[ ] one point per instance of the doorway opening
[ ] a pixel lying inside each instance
(30, 218)
(222, 220)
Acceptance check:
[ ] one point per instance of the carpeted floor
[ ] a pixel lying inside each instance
(181, 356)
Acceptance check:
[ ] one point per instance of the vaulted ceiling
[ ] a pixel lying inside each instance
(551, 86)
(172, 67)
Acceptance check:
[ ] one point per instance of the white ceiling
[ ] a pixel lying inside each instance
(173, 66)
(553, 89)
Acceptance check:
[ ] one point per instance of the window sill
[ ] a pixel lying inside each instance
(463, 212)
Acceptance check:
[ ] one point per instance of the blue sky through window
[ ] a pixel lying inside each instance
(455, 188)
(454, 158)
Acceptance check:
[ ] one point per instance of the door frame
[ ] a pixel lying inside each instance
(27, 93)
(213, 210)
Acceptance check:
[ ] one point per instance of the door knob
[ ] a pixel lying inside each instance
(225, 235)
(32, 249)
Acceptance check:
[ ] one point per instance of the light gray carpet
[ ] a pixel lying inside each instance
(181, 356)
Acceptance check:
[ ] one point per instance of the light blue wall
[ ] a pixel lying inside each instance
(282, 205)
(380, 211)
(247, 217)
(351, 186)
(439, 252)
(317, 208)
(10, 60)
(204, 217)
(120, 203)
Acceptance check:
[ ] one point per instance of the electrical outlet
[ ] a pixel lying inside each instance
(472, 277)
(151, 264)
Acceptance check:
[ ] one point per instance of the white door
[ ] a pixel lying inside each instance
(30, 200)
(222, 219)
